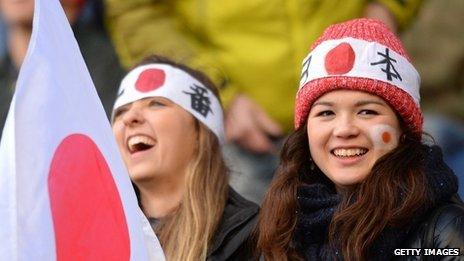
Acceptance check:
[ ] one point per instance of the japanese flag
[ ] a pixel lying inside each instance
(64, 191)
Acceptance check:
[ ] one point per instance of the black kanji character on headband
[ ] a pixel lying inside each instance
(120, 92)
(304, 74)
(389, 70)
(199, 100)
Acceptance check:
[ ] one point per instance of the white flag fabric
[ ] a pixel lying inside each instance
(64, 191)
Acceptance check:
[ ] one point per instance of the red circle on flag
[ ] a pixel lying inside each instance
(150, 79)
(88, 217)
(340, 59)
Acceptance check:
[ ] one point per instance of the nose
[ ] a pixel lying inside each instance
(133, 116)
(346, 128)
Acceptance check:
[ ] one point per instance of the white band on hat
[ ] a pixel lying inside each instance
(179, 87)
(371, 60)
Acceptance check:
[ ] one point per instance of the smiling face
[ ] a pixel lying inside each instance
(21, 12)
(156, 137)
(348, 131)
(17, 12)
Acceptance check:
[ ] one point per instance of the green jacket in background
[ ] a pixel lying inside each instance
(254, 47)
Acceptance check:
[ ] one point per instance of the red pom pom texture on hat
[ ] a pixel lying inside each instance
(361, 54)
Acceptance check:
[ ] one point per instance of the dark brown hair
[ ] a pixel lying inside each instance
(365, 210)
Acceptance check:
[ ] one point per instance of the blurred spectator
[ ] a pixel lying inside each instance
(252, 49)
(436, 42)
(2, 38)
(88, 29)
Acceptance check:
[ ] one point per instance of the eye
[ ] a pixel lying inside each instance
(119, 112)
(325, 113)
(368, 112)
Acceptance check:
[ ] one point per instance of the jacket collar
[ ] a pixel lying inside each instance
(237, 212)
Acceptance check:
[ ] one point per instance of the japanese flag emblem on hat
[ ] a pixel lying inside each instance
(361, 54)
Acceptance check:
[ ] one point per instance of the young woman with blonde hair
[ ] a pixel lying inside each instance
(168, 123)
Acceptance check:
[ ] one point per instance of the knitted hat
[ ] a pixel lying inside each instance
(361, 54)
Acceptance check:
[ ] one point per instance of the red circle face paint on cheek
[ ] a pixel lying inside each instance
(386, 137)
(383, 137)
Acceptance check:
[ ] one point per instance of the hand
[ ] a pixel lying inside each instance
(249, 126)
(381, 12)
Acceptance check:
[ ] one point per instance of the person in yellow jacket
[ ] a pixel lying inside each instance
(252, 49)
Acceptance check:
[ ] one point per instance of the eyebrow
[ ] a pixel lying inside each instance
(357, 104)
(322, 103)
(366, 102)
(119, 109)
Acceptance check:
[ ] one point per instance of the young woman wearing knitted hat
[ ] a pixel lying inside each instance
(168, 123)
(355, 181)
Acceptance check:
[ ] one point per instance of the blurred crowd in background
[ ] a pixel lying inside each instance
(435, 41)
(434, 38)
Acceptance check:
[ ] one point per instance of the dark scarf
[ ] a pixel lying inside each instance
(318, 202)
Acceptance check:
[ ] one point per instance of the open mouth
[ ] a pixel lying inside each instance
(346, 153)
(139, 143)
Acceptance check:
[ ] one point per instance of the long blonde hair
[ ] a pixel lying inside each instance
(185, 234)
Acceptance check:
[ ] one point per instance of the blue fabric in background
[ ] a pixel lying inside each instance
(2, 38)
(449, 135)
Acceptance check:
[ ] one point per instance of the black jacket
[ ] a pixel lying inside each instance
(231, 240)
(443, 215)
(446, 225)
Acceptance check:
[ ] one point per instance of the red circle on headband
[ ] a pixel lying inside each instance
(340, 59)
(150, 79)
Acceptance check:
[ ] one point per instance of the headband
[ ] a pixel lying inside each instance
(163, 80)
(362, 59)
